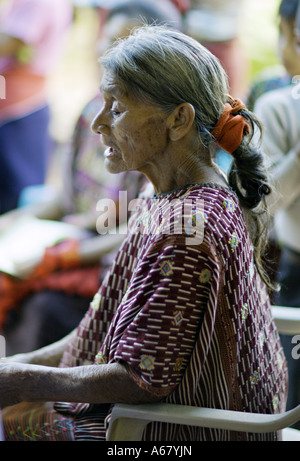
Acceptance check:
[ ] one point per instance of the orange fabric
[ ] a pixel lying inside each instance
(24, 92)
(231, 126)
(61, 256)
(59, 270)
(11, 292)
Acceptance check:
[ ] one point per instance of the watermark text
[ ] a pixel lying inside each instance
(2, 87)
(2, 347)
(296, 349)
(153, 217)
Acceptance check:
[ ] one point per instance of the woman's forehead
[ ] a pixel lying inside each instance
(109, 85)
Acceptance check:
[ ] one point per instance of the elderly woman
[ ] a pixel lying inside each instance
(183, 315)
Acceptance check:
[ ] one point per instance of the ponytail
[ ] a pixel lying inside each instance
(247, 176)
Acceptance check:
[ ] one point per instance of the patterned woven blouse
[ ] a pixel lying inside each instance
(183, 307)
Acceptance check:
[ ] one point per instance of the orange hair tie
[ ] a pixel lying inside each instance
(230, 128)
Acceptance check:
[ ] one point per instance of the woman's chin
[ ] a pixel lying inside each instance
(113, 165)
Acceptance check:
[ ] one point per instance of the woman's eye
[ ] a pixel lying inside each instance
(115, 110)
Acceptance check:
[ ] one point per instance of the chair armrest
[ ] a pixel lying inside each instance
(287, 319)
(129, 421)
(1, 429)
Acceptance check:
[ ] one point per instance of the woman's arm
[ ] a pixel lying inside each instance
(109, 383)
(94, 248)
(35, 377)
(46, 356)
(48, 209)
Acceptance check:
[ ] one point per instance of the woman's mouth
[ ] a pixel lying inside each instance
(110, 152)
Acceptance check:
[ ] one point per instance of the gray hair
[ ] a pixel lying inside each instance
(164, 67)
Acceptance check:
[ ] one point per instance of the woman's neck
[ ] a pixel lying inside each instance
(176, 171)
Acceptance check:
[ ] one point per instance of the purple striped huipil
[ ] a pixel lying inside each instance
(184, 308)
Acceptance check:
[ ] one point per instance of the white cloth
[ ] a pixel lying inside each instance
(279, 111)
(214, 20)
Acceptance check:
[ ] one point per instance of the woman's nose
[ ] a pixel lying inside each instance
(99, 125)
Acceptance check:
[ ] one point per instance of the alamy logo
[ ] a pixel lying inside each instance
(296, 87)
(2, 87)
(296, 348)
(159, 216)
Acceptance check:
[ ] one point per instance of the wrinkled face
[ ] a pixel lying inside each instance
(134, 132)
(289, 47)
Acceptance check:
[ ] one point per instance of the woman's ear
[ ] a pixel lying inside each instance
(181, 121)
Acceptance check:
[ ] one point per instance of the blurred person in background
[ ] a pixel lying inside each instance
(215, 24)
(280, 76)
(169, 11)
(279, 111)
(31, 43)
(166, 324)
(44, 309)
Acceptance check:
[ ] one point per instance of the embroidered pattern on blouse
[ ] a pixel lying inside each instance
(100, 359)
(275, 403)
(229, 205)
(233, 241)
(178, 364)
(96, 301)
(178, 318)
(166, 268)
(147, 362)
(205, 275)
(245, 312)
(254, 378)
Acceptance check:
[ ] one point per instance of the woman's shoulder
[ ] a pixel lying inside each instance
(213, 196)
(212, 207)
(220, 205)
(212, 199)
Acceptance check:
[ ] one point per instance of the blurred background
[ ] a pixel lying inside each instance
(31, 288)
(77, 77)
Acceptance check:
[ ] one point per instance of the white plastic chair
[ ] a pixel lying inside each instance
(129, 421)
(1, 429)
(287, 319)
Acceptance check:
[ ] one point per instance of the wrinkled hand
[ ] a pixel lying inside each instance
(11, 382)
